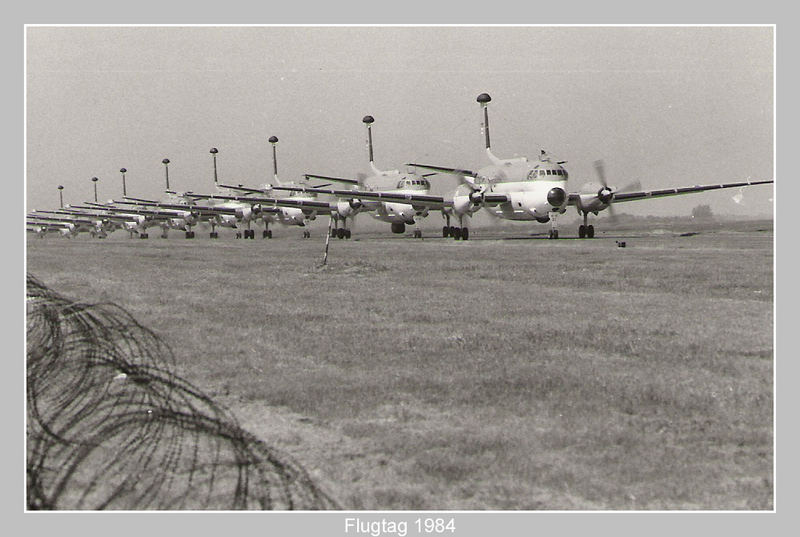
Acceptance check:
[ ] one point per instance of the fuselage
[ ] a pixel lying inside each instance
(537, 189)
(400, 213)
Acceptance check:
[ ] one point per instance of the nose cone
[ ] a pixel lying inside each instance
(556, 197)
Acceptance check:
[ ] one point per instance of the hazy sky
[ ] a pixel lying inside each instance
(669, 106)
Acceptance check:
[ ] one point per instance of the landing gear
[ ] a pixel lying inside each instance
(266, 234)
(306, 234)
(586, 231)
(553, 227)
(190, 234)
(164, 235)
(460, 232)
(238, 234)
(248, 234)
(214, 235)
(417, 234)
(143, 235)
(447, 230)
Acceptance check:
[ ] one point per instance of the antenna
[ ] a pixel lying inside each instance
(214, 152)
(368, 120)
(274, 141)
(484, 99)
(165, 162)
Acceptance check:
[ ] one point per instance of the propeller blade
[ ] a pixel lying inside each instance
(631, 187)
(600, 169)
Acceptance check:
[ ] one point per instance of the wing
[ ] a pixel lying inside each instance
(646, 194)
(415, 200)
(323, 207)
(440, 169)
(335, 179)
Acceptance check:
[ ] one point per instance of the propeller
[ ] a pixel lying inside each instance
(606, 194)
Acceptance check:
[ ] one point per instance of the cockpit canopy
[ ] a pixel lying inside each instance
(547, 173)
(414, 183)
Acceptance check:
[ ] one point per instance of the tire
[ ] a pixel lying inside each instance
(464, 233)
(456, 233)
(590, 232)
(445, 231)
(346, 234)
(582, 231)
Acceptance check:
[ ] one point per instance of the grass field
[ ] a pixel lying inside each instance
(506, 372)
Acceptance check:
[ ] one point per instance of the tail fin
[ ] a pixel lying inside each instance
(484, 99)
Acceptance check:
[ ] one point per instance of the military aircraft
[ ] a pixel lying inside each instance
(132, 221)
(385, 205)
(97, 227)
(294, 210)
(519, 189)
(42, 228)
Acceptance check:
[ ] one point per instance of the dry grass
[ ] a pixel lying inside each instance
(492, 374)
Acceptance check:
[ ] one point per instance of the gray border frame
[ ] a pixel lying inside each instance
(414, 12)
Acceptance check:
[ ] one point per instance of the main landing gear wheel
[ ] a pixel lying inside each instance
(143, 235)
(553, 233)
(340, 233)
(590, 232)
(190, 234)
(266, 234)
(582, 231)
(445, 231)
(464, 233)
(346, 233)
(417, 234)
(451, 232)
(213, 235)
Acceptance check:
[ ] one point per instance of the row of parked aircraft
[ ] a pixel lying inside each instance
(513, 189)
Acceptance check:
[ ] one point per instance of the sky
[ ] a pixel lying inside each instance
(667, 106)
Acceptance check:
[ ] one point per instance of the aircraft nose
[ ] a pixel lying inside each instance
(556, 197)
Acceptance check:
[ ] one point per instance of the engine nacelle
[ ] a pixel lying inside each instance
(466, 204)
(227, 220)
(244, 213)
(348, 208)
(592, 202)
